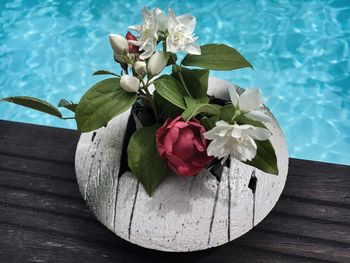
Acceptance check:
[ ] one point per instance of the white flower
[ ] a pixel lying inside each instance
(235, 140)
(129, 83)
(140, 67)
(181, 36)
(249, 104)
(157, 63)
(148, 32)
(119, 44)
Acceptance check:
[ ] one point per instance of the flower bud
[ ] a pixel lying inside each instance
(129, 83)
(157, 63)
(119, 44)
(140, 67)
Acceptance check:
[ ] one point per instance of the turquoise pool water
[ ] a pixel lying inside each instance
(299, 49)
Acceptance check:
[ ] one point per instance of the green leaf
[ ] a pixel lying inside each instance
(227, 112)
(196, 106)
(104, 72)
(196, 80)
(209, 123)
(191, 112)
(165, 108)
(190, 101)
(217, 57)
(35, 104)
(265, 158)
(170, 89)
(144, 160)
(103, 101)
(68, 105)
(245, 120)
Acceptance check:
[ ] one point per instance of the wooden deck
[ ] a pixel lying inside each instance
(44, 219)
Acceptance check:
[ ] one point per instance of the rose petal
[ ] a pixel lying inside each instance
(179, 166)
(160, 133)
(201, 160)
(170, 138)
(173, 122)
(183, 147)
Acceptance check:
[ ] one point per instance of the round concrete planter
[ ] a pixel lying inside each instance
(184, 214)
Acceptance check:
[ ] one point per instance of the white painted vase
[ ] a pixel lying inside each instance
(185, 213)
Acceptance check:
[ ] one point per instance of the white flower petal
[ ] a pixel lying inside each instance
(146, 54)
(146, 14)
(189, 21)
(222, 123)
(250, 100)
(193, 49)
(233, 96)
(215, 148)
(171, 15)
(135, 42)
(136, 28)
(249, 149)
(215, 133)
(236, 133)
(258, 115)
(162, 20)
(258, 133)
(169, 45)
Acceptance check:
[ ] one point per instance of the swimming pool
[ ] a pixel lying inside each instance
(299, 50)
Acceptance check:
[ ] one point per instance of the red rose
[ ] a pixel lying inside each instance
(132, 48)
(183, 146)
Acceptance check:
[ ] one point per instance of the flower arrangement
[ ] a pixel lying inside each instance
(183, 129)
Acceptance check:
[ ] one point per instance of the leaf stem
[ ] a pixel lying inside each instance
(180, 75)
(183, 82)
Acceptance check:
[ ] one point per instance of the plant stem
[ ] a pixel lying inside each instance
(146, 94)
(237, 113)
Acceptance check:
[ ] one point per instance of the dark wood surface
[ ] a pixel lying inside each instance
(44, 219)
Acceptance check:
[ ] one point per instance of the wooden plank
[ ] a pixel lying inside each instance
(316, 169)
(70, 226)
(296, 245)
(40, 142)
(289, 206)
(36, 246)
(307, 227)
(283, 223)
(38, 167)
(41, 246)
(325, 187)
(44, 202)
(92, 230)
(66, 188)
